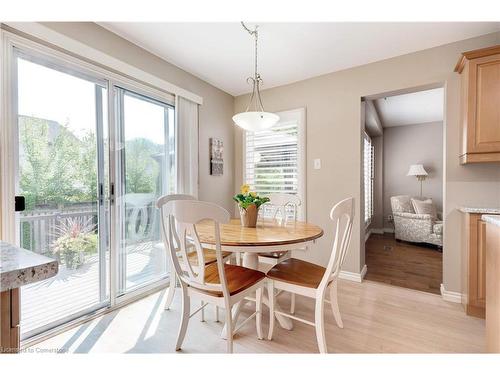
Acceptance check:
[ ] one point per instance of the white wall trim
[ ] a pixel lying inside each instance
(353, 276)
(450, 296)
(50, 36)
(388, 230)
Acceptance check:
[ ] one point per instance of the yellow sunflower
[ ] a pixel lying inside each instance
(245, 188)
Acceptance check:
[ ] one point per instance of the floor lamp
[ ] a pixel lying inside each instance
(418, 171)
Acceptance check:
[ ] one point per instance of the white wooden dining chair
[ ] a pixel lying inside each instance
(283, 207)
(219, 283)
(310, 280)
(210, 256)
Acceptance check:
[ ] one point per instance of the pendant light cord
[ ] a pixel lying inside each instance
(256, 80)
(254, 33)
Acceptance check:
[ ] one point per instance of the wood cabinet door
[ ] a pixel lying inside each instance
(483, 117)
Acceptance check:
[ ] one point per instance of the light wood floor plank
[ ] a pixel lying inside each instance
(378, 318)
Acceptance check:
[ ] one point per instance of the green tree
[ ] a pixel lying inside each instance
(49, 154)
(57, 167)
(142, 170)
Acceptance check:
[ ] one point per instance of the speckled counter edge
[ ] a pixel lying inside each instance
(492, 219)
(479, 210)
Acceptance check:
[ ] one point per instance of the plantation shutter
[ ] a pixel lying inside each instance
(272, 159)
(368, 169)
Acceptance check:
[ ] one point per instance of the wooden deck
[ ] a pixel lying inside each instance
(73, 291)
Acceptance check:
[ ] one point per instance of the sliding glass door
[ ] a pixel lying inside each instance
(146, 171)
(61, 173)
(91, 176)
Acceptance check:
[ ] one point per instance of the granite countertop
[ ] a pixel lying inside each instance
(20, 267)
(492, 219)
(479, 210)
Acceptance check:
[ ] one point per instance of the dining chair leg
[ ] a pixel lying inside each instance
(217, 313)
(258, 309)
(171, 290)
(319, 324)
(186, 305)
(270, 292)
(334, 301)
(202, 316)
(229, 329)
(292, 304)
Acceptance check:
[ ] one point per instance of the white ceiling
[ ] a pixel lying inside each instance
(409, 109)
(222, 53)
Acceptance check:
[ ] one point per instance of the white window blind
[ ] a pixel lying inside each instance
(274, 158)
(368, 169)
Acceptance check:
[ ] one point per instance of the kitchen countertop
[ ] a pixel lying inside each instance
(492, 219)
(479, 210)
(20, 267)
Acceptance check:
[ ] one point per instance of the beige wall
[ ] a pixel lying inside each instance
(334, 135)
(215, 113)
(413, 144)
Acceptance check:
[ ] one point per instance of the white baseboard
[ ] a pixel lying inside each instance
(353, 276)
(388, 230)
(373, 231)
(450, 296)
(368, 234)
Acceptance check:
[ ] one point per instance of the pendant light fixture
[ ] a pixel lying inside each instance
(255, 118)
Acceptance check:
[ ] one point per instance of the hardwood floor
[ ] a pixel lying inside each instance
(378, 318)
(403, 264)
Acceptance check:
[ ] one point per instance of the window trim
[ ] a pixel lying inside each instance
(298, 114)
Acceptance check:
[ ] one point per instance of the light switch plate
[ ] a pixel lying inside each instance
(317, 163)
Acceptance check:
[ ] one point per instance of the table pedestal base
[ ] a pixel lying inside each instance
(251, 260)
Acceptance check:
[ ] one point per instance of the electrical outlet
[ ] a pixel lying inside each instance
(317, 163)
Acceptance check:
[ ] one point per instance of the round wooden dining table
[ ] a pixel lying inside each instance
(269, 236)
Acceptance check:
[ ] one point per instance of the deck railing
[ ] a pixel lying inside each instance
(38, 228)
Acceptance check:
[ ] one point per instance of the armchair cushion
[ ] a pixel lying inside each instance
(401, 203)
(424, 207)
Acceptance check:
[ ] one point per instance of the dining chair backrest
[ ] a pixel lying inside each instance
(163, 200)
(342, 215)
(179, 219)
(279, 203)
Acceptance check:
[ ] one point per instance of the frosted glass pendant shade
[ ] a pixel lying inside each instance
(254, 121)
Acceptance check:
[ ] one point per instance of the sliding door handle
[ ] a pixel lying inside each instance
(19, 203)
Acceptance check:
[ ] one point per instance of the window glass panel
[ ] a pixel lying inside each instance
(59, 174)
(147, 172)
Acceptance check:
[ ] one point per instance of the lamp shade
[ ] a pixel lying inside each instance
(254, 121)
(417, 170)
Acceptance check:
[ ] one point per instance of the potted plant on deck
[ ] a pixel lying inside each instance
(76, 239)
(249, 203)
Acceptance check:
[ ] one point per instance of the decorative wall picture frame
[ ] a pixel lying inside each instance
(216, 157)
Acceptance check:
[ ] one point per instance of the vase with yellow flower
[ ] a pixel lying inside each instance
(249, 203)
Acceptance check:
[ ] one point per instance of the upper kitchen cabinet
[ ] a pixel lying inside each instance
(480, 105)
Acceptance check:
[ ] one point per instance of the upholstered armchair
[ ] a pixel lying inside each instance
(412, 227)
